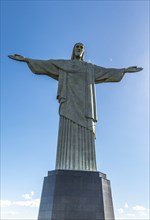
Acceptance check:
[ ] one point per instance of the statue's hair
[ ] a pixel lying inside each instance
(73, 54)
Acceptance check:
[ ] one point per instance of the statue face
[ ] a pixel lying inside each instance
(78, 50)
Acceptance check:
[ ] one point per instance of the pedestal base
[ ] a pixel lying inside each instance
(76, 195)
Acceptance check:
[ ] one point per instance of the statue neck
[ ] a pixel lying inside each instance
(78, 58)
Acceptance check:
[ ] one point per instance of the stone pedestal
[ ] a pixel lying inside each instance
(76, 195)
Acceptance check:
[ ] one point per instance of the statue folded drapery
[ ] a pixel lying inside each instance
(76, 95)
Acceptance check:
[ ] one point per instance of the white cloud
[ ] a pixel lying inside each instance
(110, 59)
(5, 203)
(120, 210)
(126, 205)
(143, 213)
(29, 203)
(138, 208)
(131, 215)
(135, 212)
(28, 195)
(9, 213)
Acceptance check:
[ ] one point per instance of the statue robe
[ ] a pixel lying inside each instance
(78, 117)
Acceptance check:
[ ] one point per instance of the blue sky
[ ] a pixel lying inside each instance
(115, 34)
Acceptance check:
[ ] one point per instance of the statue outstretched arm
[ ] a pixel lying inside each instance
(112, 74)
(42, 67)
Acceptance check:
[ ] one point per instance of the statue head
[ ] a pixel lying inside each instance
(78, 52)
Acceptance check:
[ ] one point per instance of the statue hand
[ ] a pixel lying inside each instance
(133, 69)
(17, 57)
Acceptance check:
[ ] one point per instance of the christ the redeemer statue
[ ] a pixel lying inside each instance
(77, 104)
